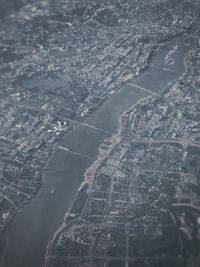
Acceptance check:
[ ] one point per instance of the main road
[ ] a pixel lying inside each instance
(35, 224)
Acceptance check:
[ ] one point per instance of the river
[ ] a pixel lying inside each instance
(35, 224)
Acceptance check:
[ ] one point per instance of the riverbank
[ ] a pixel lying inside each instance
(52, 245)
(44, 215)
(98, 162)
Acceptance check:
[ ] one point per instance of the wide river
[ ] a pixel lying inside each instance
(35, 225)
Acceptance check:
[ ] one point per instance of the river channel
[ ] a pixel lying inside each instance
(36, 223)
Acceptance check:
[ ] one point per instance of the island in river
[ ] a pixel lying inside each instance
(59, 61)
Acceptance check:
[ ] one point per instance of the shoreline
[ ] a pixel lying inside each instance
(8, 226)
(93, 167)
(88, 180)
(90, 172)
(105, 96)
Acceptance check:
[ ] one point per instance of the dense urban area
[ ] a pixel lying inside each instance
(59, 61)
(140, 204)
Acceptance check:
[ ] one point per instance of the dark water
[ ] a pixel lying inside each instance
(35, 225)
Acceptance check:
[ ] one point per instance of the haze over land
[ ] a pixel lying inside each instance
(59, 62)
